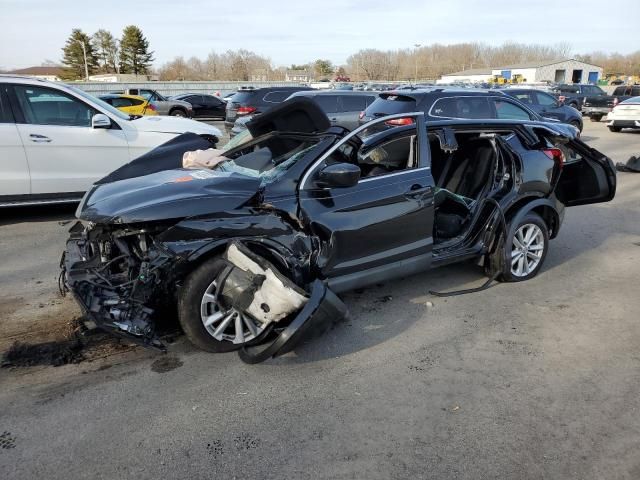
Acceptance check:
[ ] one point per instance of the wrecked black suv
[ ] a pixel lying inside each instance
(253, 250)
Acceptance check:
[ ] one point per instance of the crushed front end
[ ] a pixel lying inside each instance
(119, 275)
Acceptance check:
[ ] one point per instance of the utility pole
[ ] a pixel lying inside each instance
(415, 54)
(84, 53)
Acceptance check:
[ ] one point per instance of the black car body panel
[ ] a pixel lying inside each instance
(310, 218)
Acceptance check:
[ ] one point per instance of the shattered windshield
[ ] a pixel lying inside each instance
(268, 159)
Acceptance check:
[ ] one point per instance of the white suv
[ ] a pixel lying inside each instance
(56, 140)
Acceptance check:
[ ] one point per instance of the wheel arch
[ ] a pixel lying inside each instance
(541, 206)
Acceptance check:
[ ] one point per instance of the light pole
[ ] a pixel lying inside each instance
(415, 54)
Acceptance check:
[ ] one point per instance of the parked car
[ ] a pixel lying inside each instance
(452, 103)
(253, 250)
(546, 105)
(625, 114)
(255, 101)
(204, 106)
(600, 106)
(130, 104)
(57, 140)
(165, 106)
(573, 94)
(343, 107)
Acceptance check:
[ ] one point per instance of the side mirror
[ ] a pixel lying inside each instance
(100, 120)
(339, 175)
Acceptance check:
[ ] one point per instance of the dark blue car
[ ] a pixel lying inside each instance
(546, 105)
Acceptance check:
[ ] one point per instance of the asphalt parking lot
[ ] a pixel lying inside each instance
(539, 379)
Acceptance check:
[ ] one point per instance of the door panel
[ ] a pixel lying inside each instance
(589, 177)
(71, 159)
(14, 170)
(64, 153)
(376, 222)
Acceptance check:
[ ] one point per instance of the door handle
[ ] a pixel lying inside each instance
(416, 190)
(39, 138)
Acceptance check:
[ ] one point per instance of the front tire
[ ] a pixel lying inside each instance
(206, 322)
(614, 129)
(525, 248)
(178, 113)
(595, 118)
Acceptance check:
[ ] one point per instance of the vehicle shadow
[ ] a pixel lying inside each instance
(43, 213)
(382, 312)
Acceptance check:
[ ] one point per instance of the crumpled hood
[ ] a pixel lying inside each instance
(176, 125)
(166, 195)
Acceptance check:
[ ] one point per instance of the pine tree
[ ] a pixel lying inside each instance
(73, 56)
(135, 56)
(106, 48)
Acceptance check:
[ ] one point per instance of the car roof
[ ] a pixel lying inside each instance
(419, 94)
(12, 78)
(314, 93)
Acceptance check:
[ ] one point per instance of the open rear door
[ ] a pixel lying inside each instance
(587, 176)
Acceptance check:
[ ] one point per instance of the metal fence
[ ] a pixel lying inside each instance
(174, 88)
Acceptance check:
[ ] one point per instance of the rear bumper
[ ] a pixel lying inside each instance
(624, 123)
(595, 110)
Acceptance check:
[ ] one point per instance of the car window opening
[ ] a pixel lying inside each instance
(463, 178)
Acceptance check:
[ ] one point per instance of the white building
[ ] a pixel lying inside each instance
(557, 71)
(122, 77)
(475, 75)
(303, 76)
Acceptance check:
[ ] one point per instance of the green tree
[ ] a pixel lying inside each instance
(135, 56)
(73, 56)
(106, 49)
(323, 68)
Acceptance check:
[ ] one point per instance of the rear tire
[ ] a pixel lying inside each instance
(595, 118)
(525, 248)
(177, 112)
(614, 129)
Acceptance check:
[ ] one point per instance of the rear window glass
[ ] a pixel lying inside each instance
(354, 103)
(461, 107)
(619, 90)
(391, 104)
(241, 97)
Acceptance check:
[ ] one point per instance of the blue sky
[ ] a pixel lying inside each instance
(299, 31)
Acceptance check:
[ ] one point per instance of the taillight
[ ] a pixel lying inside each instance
(399, 121)
(151, 106)
(556, 155)
(246, 110)
(562, 98)
(616, 101)
(361, 116)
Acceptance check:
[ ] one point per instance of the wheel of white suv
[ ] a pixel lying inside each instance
(525, 248)
(615, 129)
(206, 321)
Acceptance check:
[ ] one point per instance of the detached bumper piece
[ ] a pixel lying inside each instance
(254, 285)
(322, 310)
